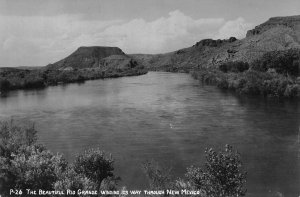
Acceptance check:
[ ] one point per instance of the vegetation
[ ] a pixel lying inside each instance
(221, 175)
(27, 79)
(24, 164)
(235, 67)
(95, 165)
(283, 62)
(274, 75)
(159, 178)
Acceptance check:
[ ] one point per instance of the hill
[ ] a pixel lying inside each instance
(85, 63)
(86, 57)
(278, 33)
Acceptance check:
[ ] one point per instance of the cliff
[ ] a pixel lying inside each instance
(278, 33)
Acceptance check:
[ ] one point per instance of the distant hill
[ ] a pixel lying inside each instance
(88, 57)
(85, 63)
(278, 33)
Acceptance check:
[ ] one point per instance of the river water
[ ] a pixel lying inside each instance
(170, 118)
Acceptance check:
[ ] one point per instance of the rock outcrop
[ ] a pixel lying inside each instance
(283, 22)
(278, 33)
(214, 43)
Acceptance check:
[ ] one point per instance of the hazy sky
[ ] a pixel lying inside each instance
(38, 32)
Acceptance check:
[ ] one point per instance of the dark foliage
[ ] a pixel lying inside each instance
(251, 82)
(26, 165)
(4, 85)
(274, 75)
(284, 62)
(221, 175)
(39, 78)
(235, 67)
(95, 165)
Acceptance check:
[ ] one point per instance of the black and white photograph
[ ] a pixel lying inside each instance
(149, 98)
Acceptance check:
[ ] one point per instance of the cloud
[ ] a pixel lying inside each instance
(39, 40)
(237, 28)
(161, 35)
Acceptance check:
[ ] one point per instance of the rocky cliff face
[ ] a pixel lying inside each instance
(278, 33)
(291, 22)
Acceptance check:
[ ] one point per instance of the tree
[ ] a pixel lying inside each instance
(221, 175)
(95, 165)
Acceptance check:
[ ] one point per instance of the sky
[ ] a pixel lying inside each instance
(39, 32)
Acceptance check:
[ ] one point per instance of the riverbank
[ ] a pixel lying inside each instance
(17, 78)
(275, 74)
(251, 82)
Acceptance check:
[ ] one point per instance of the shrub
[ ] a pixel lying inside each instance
(284, 62)
(251, 82)
(221, 175)
(4, 85)
(23, 163)
(291, 91)
(27, 165)
(95, 165)
(236, 67)
(13, 137)
(73, 181)
(34, 83)
(35, 168)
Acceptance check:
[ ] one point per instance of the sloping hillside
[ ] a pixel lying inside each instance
(86, 57)
(278, 33)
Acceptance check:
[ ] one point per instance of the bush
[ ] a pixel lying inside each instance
(252, 82)
(221, 176)
(73, 181)
(284, 62)
(13, 138)
(95, 165)
(27, 165)
(23, 163)
(235, 67)
(4, 85)
(35, 168)
(273, 75)
(34, 83)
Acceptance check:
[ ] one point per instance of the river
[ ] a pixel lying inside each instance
(170, 118)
